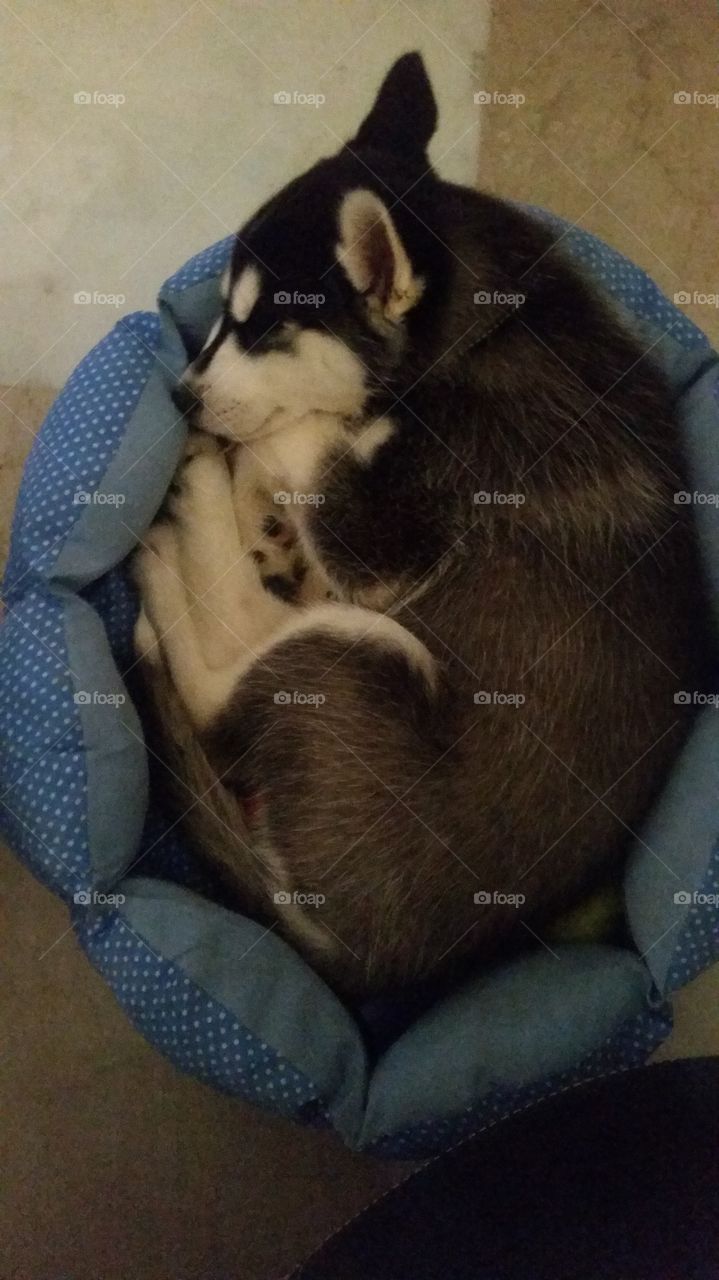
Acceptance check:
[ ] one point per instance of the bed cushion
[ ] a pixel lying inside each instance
(224, 999)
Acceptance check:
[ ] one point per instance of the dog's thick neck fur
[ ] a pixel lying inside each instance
(497, 454)
(490, 378)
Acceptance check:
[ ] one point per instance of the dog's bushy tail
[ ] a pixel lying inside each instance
(211, 816)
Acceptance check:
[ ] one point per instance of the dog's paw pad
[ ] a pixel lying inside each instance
(288, 584)
(278, 584)
(280, 531)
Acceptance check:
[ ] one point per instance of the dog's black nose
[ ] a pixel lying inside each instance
(184, 398)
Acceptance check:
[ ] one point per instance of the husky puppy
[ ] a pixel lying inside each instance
(412, 638)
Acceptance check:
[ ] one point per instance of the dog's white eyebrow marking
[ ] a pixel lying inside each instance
(245, 293)
(213, 333)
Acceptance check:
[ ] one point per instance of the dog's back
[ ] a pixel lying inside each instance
(563, 623)
(518, 523)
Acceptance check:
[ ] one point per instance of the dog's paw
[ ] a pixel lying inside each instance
(201, 442)
(198, 444)
(199, 482)
(157, 544)
(156, 554)
(279, 558)
(155, 569)
(285, 567)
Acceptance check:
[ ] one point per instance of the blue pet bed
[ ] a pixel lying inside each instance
(222, 998)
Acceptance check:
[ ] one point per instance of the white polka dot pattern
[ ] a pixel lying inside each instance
(43, 773)
(629, 1047)
(698, 942)
(626, 282)
(198, 1035)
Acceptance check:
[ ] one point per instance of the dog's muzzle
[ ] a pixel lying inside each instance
(184, 398)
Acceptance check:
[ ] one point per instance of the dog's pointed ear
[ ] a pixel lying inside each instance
(404, 115)
(373, 256)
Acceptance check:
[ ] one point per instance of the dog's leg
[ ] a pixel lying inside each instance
(325, 543)
(216, 561)
(273, 524)
(201, 594)
(345, 716)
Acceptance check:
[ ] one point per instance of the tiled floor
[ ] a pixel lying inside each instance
(115, 1166)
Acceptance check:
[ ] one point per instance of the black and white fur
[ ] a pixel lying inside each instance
(392, 596)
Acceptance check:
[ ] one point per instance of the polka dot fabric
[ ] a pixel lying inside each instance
(195, 1032)
(47, 783)
(43, 785)
(626, 282)
(81, 433)
(698, 942)
(629, 1047)
(43, 782)
(204, 266)
(114, 599)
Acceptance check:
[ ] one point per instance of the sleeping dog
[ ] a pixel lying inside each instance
(417, 606)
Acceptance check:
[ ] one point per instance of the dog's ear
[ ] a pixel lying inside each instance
(372, 254)
(404, 115)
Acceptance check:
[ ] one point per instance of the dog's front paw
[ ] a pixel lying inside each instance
(153, 561)
(153, 546)
(201, 480)
(154, 570)
(279, 558)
